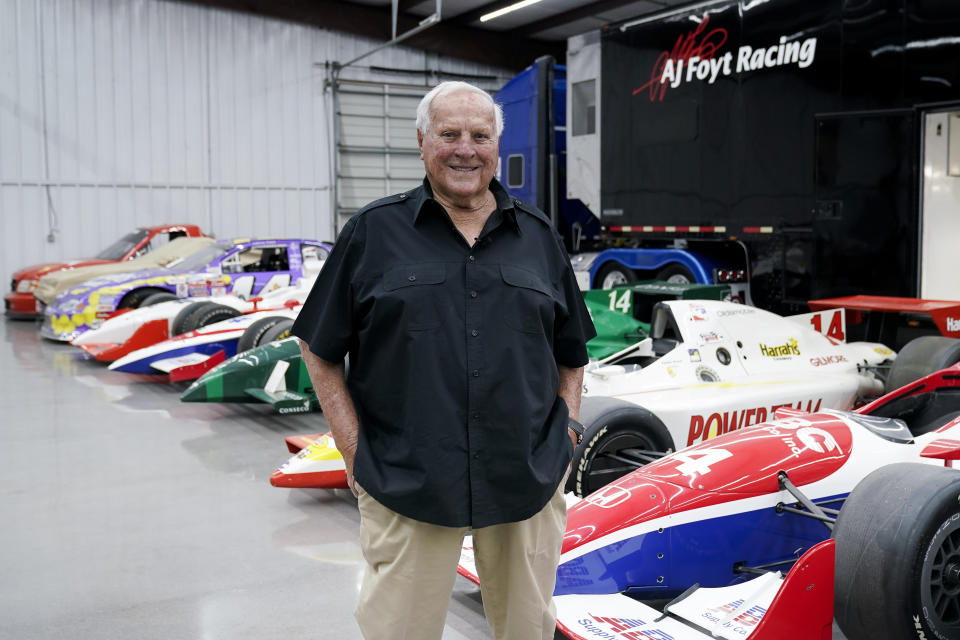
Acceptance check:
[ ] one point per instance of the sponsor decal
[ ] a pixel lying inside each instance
(696, 318)
(953, 324)
(735, 312)
(789, 349)
(744, 623)
(709, 336)
(695, 57)
(822, 361)
(610, 628)
(609, 497)
(882, 351)
(694, 355)
(703, 427)
(303, 408)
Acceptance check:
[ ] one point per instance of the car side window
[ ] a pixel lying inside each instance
(258, 259)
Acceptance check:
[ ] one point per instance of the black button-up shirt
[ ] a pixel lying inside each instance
(453, 355)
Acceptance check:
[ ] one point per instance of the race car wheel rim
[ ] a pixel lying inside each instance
(613, 279)
(940, 592)
(604, 468)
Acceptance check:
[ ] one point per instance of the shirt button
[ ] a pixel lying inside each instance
(402, 196)
(476, 416)
(476, 456)
(471, 258)
(476, 373)
(412, 278)
(474, 333)
(473, 294)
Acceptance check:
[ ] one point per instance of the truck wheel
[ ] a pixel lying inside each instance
(920, 357)
(253, 335)
(676, 274)
(897, 572)
(613, 274)
(176, 328)
(278, 331)
(613, 428)
(157, 298)
(208, 315)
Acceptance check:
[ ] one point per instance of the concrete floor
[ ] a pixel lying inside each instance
(129, 515)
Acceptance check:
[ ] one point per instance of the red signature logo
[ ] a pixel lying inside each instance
(698, 43)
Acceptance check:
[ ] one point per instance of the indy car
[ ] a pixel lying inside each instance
(710, 367)
(712, 529)
(150, 324)
(20, 301)
(243, 267)
(272, 373)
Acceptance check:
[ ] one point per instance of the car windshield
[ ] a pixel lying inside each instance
(121, 247)
(201, 259)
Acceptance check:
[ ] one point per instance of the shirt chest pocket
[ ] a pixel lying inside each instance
(412, 296)
(530, 302)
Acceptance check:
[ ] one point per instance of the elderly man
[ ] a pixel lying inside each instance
(466, 335)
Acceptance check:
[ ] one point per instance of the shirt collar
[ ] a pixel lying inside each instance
(505, 203)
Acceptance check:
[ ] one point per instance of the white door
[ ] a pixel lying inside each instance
(940, 213)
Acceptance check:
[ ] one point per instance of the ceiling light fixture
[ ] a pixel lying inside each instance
(505, 10)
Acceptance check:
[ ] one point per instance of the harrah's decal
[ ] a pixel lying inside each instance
(694, 57)
(704, 427)
(789, 348)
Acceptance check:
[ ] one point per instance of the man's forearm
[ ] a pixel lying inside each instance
(570, 388)
(330, 385)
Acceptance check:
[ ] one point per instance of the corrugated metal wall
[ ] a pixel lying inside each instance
(117, 113)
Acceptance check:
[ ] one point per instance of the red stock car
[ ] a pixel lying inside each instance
(20, 303)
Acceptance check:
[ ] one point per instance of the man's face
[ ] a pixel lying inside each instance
(460, 146)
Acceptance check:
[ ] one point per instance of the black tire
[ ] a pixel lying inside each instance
(677, 274)
(208, 315)
(610, 427)
(920, 357)
(613, 274)
(253, 334)
(278, 331)
(897, 572)
(157, 298)
(134, 299)
(176, 328)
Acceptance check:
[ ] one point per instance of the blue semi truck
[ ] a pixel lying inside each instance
(793, 149)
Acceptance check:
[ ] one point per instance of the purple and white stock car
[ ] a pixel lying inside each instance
(243, 267)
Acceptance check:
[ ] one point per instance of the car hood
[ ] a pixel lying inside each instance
(37, 271)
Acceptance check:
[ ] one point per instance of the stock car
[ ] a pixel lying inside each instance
(244, 267)
(20, 301)
(708, 367)
(695, 526)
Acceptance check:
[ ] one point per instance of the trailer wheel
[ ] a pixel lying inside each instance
(920, 357)
(613, 274)
(613, 429)
(208, 315)
(176, 327)
(253, 335)
(278, 331)
(897, 572)
(676, 274)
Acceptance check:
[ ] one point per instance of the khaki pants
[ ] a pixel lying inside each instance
(412, 565)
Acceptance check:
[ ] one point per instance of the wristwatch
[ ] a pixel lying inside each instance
(577, 428)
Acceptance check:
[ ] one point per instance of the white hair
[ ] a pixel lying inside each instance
(451, 86)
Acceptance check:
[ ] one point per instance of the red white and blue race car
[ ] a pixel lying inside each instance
(712, 527)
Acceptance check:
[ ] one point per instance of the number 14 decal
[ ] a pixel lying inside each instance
(836, 328)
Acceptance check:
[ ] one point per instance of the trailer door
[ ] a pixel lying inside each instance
(865, 220)
(941, 205)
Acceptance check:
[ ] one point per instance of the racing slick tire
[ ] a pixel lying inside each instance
(610, 427)
(253, 335)
(613, 274)
(920, 357)
(278, 331)
(677, 274)
(176, 327)
(208, 315)
(157, 298)
(134, 299)
(897, 572)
